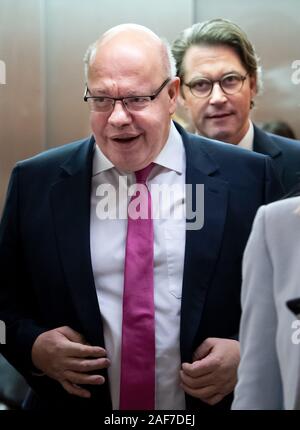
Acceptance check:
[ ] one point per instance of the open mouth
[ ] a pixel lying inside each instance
(125, 139)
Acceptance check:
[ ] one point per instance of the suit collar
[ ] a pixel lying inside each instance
(199, 156)
(80, 158)
(264, 144)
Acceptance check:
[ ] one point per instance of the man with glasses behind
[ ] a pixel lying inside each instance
(105, 310)
(220, 77)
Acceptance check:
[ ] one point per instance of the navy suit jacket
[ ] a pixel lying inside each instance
(46, 277)
(285, 154)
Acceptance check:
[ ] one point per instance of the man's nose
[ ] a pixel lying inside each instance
(217, 94)
(119, 115)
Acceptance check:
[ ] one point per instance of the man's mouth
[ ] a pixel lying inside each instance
(125, 138)
(219, 115)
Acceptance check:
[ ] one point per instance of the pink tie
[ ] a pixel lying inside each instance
(137, 389)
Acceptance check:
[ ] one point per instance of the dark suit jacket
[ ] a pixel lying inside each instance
(46, 277)
(285, 154)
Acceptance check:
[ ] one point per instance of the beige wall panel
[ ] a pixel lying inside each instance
(21, 98)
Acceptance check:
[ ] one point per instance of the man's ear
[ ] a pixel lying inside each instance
(174, 88)
(173, 91)
(253, 86)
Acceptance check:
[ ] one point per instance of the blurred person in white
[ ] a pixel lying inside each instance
(269, 371)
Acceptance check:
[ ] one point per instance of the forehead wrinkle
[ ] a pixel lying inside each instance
(127, 52)
(208, 57)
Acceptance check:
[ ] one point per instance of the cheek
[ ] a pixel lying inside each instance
(196, 110)
(97, 124)
(244, 106)
(246, 98)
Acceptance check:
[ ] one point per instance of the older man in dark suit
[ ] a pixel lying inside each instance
(66, 294)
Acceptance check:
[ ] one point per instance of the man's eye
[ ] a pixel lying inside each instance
(101, 100)
(201, 85)
(231, 80)
(138, 100)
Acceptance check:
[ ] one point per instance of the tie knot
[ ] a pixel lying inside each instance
(142, 175)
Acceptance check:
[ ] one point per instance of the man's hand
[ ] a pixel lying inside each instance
(64, 355)
(213, 373)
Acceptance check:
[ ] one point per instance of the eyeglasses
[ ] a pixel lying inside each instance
(132, 103)
(230, 84)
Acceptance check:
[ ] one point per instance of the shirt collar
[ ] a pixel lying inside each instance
(171, 156)
(247, 141)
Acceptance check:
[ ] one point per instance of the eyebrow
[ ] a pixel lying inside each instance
(97, 91)
(102, 93)
(230, 72)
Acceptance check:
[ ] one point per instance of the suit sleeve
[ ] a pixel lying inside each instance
(259, 381)
(273, 187)
(16, 297)
(273, 191)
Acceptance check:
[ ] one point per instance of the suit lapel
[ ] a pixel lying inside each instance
(202, 246)
(70, 198)
(264, 144)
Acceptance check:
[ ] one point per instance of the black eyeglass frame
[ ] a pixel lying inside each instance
(214, 81)
(123, 99)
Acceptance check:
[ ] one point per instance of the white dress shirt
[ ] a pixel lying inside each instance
(247, 141)
(108, 238)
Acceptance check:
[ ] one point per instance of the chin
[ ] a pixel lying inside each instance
(223, 135)
(127, 166)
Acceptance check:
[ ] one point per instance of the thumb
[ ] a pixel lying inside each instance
(203, 350)
(72, 335)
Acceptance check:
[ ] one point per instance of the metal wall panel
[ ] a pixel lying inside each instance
(42, 43)
(22, 113)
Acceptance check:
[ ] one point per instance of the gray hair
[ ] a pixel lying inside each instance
(168, 58)
(217, 32)
(87, 58)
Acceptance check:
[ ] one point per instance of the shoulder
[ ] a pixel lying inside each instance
(280, 220)
(47, 166)
(221, 150)
(275, 230)
(282, 210)
(285, 144)
(54, 155)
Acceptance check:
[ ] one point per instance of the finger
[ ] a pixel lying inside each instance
(84, 351)
(201, 393)
(88, 365)
(72, 335)
(203, 349)
(75, 390)
(201, 367)
(83, 378)
(199, 382)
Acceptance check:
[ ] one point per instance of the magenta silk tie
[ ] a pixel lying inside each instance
(137, 388)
